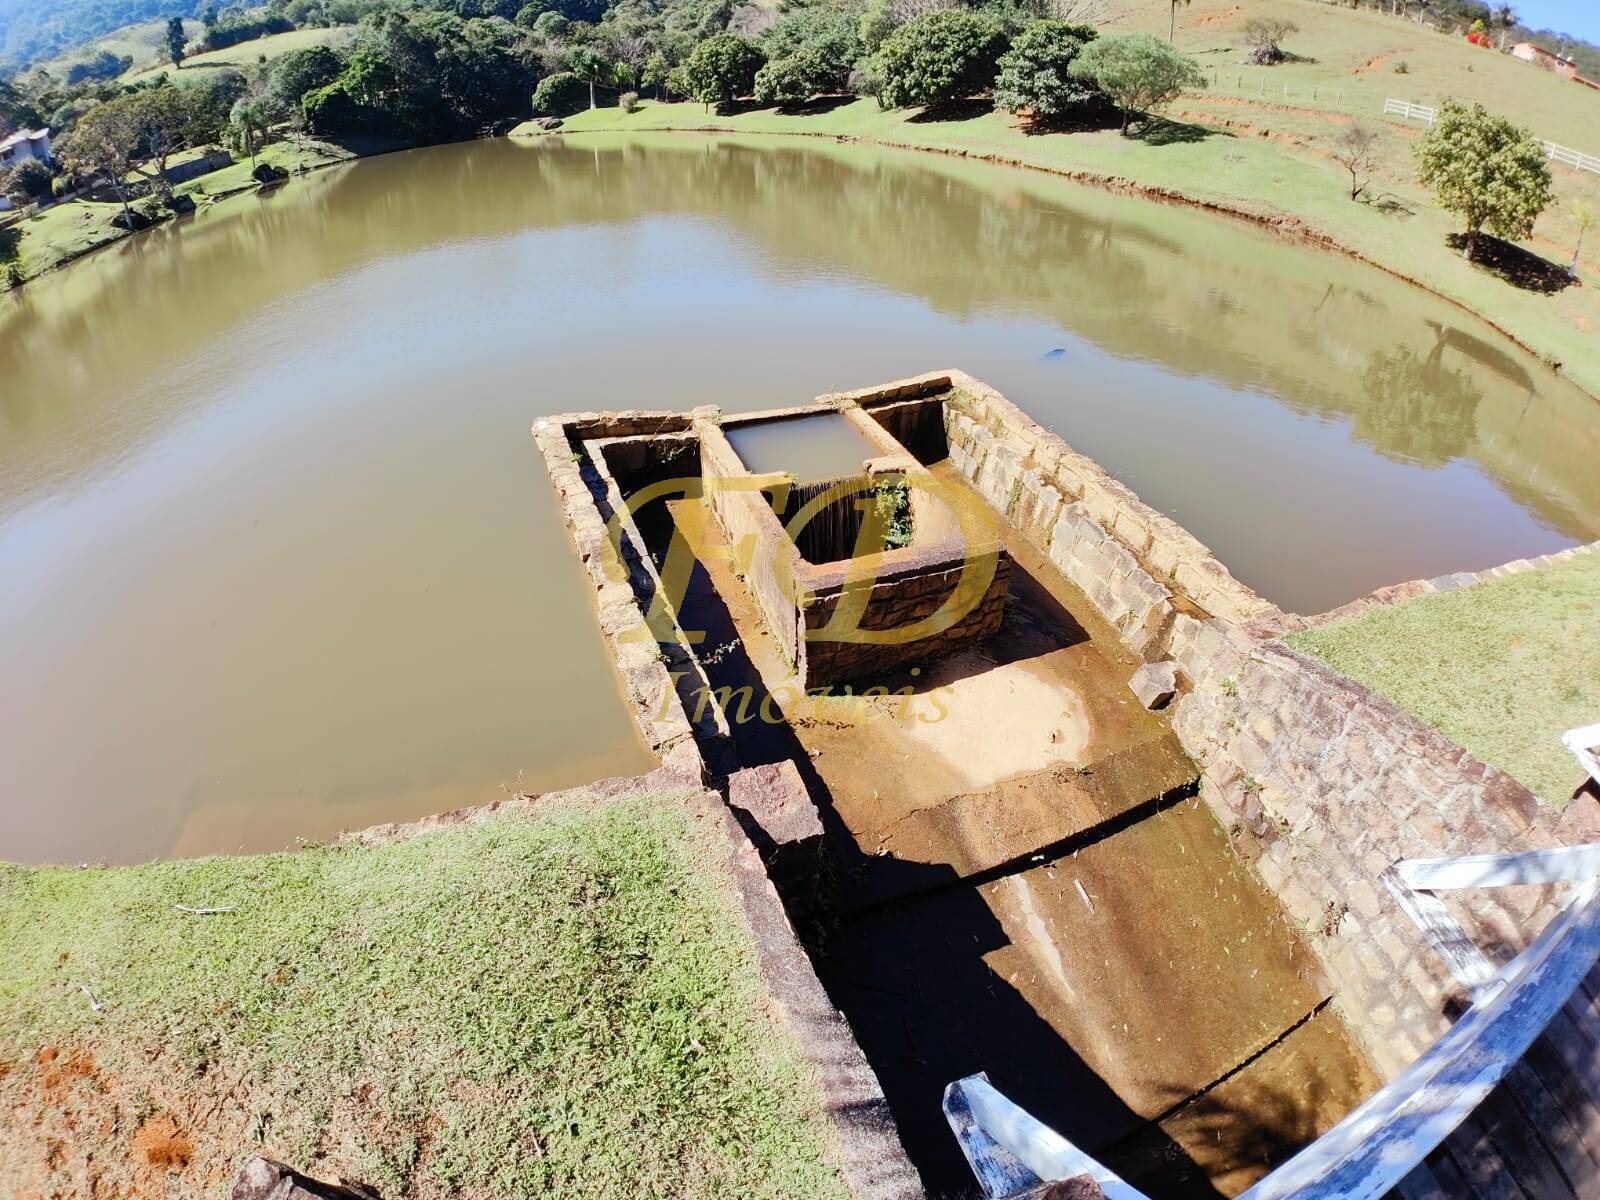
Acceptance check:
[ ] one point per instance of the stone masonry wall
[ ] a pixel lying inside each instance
(1139, 567)
(1322, 783)
(871, 1157)
(768, 557)
(897, 603)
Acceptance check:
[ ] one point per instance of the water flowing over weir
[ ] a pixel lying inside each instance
(833, 527)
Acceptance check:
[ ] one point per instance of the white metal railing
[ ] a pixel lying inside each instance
(1414, 112)
(1378, 1144)
(1585, 746)
(1576, 159)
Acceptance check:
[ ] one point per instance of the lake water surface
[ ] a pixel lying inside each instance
(277, 555)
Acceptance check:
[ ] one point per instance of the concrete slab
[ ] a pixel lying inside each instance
(1098, 1009)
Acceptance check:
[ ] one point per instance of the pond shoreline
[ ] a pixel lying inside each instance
(1288, 225)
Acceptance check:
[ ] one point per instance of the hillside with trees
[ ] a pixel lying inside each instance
(31, 30)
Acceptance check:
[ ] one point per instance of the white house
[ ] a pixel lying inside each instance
(25, 143)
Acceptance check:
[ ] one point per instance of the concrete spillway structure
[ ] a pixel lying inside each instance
(858, 559)
(1136, 922)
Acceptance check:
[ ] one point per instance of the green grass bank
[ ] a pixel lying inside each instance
(559, 1000)
(1503, 667)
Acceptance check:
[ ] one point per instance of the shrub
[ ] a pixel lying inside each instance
(1265, 35)
(297, 73)
(560, 95)
(332, 110)
(828, 32)
(1035, 74)
(1137, 71)
(939, 56)
(722, 68)
(795, 79)
(1402, 67)
(628, 102)
(29, 179)
(1486, 170)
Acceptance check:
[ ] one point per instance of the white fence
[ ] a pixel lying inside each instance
(1404, 108)
(1575, 159)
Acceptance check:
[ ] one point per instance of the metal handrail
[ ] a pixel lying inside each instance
(1375, 1146)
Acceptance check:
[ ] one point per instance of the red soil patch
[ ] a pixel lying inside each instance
(159, 1143)
(1317, 114)
(58, 1074)
(1372, 64)
(1216, 18)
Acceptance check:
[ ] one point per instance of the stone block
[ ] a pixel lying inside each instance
(775, 798)
(263, 1179)
(1155, 684)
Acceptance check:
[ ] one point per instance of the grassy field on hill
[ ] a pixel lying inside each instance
(245, 54)
(145, 43)
(561, 1000)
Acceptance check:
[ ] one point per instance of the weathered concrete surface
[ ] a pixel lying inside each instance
(964, 808)
(1102, 1010)
(1019, 744)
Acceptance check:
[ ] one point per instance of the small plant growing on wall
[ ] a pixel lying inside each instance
(893, 501)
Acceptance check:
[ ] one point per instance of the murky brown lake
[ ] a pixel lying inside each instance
(277, 556)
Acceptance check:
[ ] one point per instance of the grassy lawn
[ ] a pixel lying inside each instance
(1503, 668)
(245, 54)
(555, 1001)
(307, 154)
(1268, 155)
(67, 231)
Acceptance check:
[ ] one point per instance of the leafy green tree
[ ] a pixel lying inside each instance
(560, 95)
(176, 40)
(829, 32)
(1584, 217)
(656, 69)
(103, 65)
(722, 68)
(1035, 74)
(876, 23)
(1141, 73)
(296, 73)
(795, 78)
(332, 111)
(369, 77)
(591, 66)
(939, 56)
(1487, 171)
(551, 26)
(30, 180)
(106, 142)
(249, 122)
